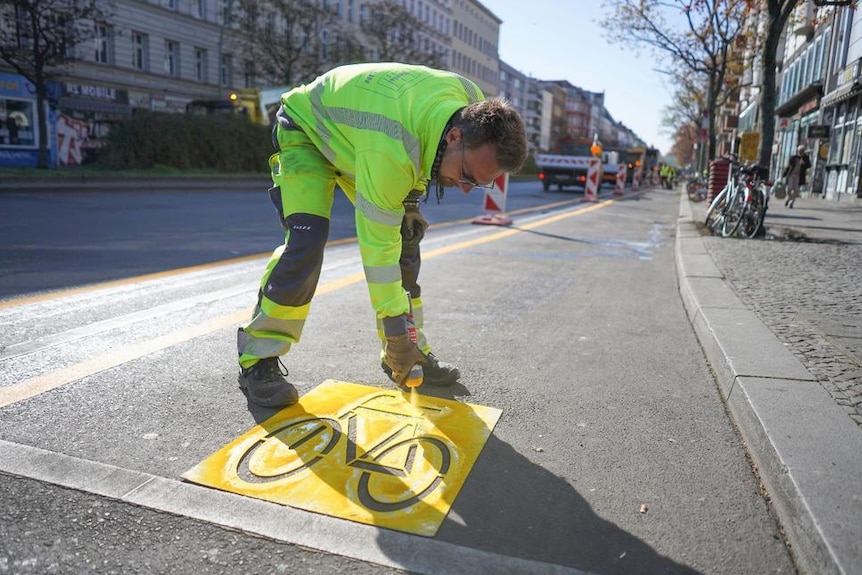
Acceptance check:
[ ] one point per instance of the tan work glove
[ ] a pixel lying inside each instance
(414, 224)
(401, 355)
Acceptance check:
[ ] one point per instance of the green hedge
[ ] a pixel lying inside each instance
(223, 143)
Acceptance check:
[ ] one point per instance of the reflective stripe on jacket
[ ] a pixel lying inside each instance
(380, 124)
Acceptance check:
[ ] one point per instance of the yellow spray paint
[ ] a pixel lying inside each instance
(359, 453)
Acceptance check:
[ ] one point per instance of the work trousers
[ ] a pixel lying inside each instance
(303, 201)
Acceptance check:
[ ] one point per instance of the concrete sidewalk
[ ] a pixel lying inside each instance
(780, 322)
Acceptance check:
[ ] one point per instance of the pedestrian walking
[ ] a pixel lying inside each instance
(795, 173)
(381, 132)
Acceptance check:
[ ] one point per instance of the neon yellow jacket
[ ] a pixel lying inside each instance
(380, 124)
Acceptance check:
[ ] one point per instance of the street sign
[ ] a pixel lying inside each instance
(749, 141)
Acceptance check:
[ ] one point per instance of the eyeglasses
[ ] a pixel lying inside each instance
(467, 181)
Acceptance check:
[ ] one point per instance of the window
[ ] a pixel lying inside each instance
(17, 128)
(172, 58)
(226, 69)
(140, 51)
(201, 9)
(200, 64)
(104, 53)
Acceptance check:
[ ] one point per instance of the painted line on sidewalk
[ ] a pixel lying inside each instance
(36, 385)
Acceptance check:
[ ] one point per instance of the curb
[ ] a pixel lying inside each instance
(805, 448)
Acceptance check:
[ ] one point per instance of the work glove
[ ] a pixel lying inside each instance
(401, 355)
(414, 224)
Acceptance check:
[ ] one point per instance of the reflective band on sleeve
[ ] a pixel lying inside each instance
(383, 274)
(318, 108)
(363, 121)
(376, 214)
(378, 123)
(471, 89)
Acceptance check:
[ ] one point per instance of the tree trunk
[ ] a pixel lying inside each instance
(768, 93)
(41, 113)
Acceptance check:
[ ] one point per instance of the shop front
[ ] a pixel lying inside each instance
(842, 114)
(796, 117)
(86, 115)
(19, 123)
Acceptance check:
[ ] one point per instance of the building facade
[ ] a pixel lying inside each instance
(162, 55)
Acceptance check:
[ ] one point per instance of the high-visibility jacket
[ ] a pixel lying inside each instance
(380, 125)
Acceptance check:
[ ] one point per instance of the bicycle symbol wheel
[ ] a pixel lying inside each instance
(289, 449)
(404, 474)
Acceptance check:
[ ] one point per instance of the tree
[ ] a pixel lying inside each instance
(778, 12)
(39, 39)
(392, 34)
(697, 36)
(683, 118)
(289, 42)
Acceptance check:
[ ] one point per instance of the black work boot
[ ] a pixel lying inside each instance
(435, 372)
(264, 384)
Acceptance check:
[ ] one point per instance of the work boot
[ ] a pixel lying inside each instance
(264, 384)
(435, 372)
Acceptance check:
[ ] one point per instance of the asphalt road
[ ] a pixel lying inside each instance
(613, 453)
(64, 237)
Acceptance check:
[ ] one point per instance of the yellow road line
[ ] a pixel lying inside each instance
(56, 294)
(57, 378)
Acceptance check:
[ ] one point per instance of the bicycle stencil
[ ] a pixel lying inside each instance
(359, 453)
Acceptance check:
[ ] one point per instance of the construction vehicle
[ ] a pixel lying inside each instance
(259, 105)
(570, 167)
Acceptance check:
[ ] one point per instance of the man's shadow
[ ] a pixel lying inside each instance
(511, 506)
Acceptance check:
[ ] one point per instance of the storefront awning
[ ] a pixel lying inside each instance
(791, 106)
(96, 105)
(841, 94)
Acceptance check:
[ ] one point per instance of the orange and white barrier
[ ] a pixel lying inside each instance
(594, 178)
(495, 204)
(636, 180)
(621, 180)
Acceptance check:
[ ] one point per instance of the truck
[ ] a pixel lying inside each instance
(259, 105)
(570, 169)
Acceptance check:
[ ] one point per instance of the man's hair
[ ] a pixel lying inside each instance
(496, 122)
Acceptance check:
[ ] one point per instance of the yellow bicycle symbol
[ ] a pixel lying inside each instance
(399, 464)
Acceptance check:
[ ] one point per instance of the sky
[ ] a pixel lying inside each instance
(563, 40)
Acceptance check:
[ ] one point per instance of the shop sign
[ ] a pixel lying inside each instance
(748, 143)
(849, 73)
(808, 106)
(16, 86)
(99, 92)
(818, 131)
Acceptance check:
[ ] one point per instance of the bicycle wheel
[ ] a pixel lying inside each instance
(409, 471)
(732, 214)
(693, 188)
(752, 216)
(715, 211)
(288, 450)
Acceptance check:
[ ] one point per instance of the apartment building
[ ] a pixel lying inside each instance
(524, 94)
(819, 97)
(160, 55)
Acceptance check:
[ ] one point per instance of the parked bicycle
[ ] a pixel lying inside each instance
(696, 188)
(740, 206)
